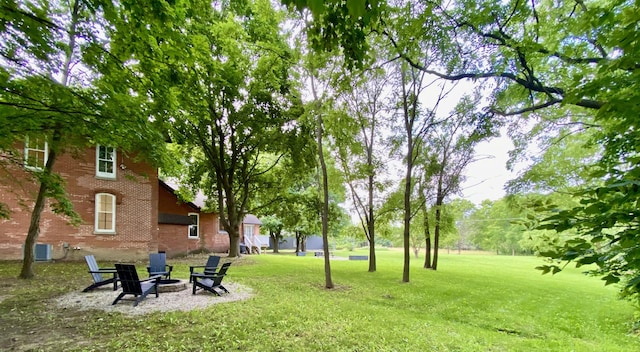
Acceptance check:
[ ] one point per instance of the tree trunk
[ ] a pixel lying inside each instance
(276, 243)
(34, 225)
(409, 118)
(370, 217)
(427, 238)
(234, 243)
(324, 184)
(372, 240)
(436, 235)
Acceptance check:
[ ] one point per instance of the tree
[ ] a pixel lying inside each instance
(358, 142)
(567, 53)
(273, 226)
(54, 88)
(451, 146)
(411, 85)
(219, 75)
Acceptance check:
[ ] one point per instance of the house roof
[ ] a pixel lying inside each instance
(172, 188)
(251, 219)
(199, 201)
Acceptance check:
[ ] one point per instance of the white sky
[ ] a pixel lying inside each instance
(487, 176)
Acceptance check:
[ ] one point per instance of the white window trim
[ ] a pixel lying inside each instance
(197, 226)
(26, 154)
(112, 230)
(111, 175)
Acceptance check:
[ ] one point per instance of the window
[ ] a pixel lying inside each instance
(105, 161)
(248, 232)
(105, 213)
(36, 153)
(195, 224)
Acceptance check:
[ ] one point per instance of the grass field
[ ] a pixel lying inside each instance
(474, 302)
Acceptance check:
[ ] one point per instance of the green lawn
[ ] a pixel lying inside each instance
(472, 303)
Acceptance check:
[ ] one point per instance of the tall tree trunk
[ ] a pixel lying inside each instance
(233, 218)
(409, 111)
(436, 235)
(34, 225)
(427, 240)
(275, 238)
(325, 205)
(371, 228)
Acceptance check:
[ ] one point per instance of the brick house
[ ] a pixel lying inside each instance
(184, 227)
(115, 197)
(126, 211)
(203, 230)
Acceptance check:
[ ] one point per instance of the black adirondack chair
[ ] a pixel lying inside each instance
(158, 265)
(132, 285)
(209, 268)
(210, 282)
(100, 275)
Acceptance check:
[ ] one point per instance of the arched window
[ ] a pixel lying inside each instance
(105, 213)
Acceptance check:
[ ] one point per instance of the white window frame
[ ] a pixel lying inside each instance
(113, 160)
(27, 149)
(99, 210)
(196, 226)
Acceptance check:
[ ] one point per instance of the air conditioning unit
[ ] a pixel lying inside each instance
(42, 252)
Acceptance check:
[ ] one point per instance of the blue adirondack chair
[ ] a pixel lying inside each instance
(210, 282)
(158, 265)
(100, 275)
(209, 268)
(132, 285)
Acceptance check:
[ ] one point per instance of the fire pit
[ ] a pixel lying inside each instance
(172, 285)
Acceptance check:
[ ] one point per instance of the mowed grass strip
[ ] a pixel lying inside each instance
(472, 303)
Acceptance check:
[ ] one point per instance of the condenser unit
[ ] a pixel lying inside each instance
(41, 252)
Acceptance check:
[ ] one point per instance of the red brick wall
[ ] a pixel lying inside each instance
(136, 190)
(214, 240)
(174, 239)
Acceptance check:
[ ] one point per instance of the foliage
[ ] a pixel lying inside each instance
(341, 25)
(579, 57)
(497, 227)
(504, 306)
(55, 86)
(607, 235)
(357, 138)
(220, 79)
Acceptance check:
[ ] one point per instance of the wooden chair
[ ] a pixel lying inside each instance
(97, 274)
(210, 282)
(158, 265)
(209, 268)
(132, 285)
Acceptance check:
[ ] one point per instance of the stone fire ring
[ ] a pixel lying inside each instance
(172, 285)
